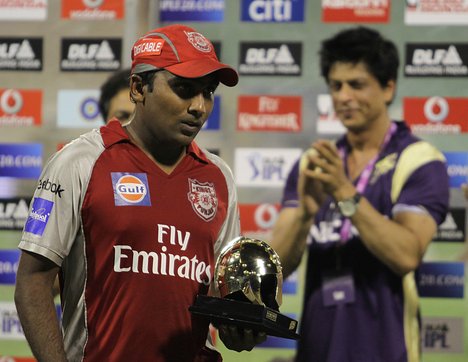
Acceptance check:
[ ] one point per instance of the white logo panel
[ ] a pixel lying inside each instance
(264, 167)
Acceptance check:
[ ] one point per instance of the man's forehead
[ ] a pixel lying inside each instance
(349, 71)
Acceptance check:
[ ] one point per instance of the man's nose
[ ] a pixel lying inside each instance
(197, 106)
(344, 94)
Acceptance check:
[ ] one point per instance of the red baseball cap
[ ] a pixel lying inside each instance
(182, 51)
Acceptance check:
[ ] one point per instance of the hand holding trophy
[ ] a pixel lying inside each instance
(249, 277)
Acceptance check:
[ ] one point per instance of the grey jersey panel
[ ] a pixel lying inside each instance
(63, 236)
(231, 226)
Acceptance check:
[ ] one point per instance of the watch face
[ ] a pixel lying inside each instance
(347, 207)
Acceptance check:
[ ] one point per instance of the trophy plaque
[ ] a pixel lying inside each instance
(249, 277)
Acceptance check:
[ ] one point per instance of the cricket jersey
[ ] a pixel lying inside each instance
(381, 324)
(135, 245)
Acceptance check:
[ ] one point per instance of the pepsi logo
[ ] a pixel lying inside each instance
(131, 189)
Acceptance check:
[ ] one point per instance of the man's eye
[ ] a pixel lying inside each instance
(209, 92)
(334, 86)
(184, 90)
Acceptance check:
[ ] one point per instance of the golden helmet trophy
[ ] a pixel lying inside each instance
(248, 275)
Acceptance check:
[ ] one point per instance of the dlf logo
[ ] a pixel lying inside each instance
(21, 54)
(91, 54)
(100, 51)
(22, 50)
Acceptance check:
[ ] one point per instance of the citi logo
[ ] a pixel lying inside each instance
(19, 50)
(131, 189)
(272, 10)
(268, 10)
(11, 101)
(97, 51)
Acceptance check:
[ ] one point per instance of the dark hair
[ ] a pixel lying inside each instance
(113, 85)
(147, 78)
(364, 45)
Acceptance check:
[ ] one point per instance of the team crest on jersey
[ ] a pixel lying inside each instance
(203, 199)
(130, 189)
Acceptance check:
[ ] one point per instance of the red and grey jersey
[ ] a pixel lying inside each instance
(135, 245)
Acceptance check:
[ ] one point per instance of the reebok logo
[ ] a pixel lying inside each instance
(443, 60)
(21, 54)
(90, 54)
(270, 58)
(53, 187)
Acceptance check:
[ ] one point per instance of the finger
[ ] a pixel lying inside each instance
(328, 151)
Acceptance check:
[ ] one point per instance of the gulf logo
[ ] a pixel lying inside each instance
(130, 189)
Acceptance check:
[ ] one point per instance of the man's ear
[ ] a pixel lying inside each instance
(136, 89)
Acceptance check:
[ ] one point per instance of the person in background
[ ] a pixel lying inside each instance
(142, 214)
(365, 209)
(114, 100)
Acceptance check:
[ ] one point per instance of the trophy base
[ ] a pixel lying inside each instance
(246, 315)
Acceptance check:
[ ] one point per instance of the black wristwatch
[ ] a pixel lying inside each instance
(348, 207)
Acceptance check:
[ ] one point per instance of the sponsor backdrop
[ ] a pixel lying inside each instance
(54, 54)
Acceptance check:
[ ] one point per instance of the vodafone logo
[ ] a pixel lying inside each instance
(11, 101)
(265, 216)
(93, 3)
(436, 109)
(131, 189)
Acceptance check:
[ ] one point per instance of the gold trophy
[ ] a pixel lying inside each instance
(248, 275)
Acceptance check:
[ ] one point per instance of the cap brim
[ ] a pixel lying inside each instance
(202, 67)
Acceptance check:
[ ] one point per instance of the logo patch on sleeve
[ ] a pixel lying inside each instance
(39, 216)
(130, 189)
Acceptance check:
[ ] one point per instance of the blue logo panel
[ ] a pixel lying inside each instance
(441, 279)
(272, 11)
(457, 167)
(39, 216)
(214, 120)
(130, 189)
(195, 10)
(9, 260)
(290, 286)
(21, 160)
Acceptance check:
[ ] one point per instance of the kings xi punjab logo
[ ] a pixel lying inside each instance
(203, 199)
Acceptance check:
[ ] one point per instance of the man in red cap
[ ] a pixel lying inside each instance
(132, 219)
